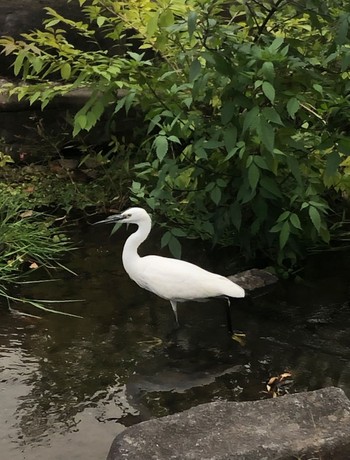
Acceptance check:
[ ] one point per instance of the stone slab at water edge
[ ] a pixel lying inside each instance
(313, 425)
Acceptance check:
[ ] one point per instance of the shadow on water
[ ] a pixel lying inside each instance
(68, 386)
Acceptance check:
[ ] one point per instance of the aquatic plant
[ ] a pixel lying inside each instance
(29, 240)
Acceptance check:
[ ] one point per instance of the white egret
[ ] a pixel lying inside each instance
(171, 279)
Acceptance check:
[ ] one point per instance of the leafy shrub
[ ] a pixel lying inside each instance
(245, 106)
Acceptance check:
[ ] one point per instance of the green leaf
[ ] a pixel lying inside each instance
(37, 64)
(295, 221)
(178, 232)
(191, 22)
(261, 162)
(120, 104)
(266, 133)
(152, 25)
(332, 163)
(293, 106)
(136, 56)
(318, 88)
(236, 215)
(342, 29)
(315, 217)
(195, 70)
(165, 239)
(284, 234)
(161, 144)
(271, 186)
(276, 44)
(101, 20)
(344, 146)
(268, 71)
(253, 176)
(174, 139)
(166, 19)
(215, 194)
(230, 138)
(223, 66)
(251, 119)
(294, 167)
(66, 71)
(80, 120)
(276, 228)
(269, 91)
(175, 247)
(227, 111)
(284, 216)
(271, 115)
(18, 62)
(212, 144)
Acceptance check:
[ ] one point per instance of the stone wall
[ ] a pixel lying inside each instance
(21, 16)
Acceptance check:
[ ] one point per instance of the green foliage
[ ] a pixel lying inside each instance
(245, 106)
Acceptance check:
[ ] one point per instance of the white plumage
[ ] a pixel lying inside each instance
(171, 279)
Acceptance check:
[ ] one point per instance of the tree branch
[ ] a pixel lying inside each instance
(268, 17)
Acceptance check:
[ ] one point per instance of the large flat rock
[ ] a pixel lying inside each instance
(302, 426)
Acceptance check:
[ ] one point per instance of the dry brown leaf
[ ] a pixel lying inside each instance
(285, 375)
(25, 214)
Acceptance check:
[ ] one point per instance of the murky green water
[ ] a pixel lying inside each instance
(68, 386)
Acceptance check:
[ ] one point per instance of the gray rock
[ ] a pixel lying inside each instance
(313, 425)
(254, 278)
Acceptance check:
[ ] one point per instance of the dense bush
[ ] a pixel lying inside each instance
(245, 103)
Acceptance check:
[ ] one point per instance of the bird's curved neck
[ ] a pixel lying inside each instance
(130, 254)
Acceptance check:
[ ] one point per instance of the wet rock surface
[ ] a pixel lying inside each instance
(305, 425)
(254, 279)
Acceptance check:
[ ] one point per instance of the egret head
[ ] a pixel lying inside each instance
(130, 216)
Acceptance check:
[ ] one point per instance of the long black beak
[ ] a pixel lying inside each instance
(114, 218)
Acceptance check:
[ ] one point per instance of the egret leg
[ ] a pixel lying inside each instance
(228, 316)
(174, 307)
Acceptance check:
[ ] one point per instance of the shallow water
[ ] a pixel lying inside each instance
(68, 386)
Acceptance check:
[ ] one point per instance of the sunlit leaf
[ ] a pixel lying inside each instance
(161, 144)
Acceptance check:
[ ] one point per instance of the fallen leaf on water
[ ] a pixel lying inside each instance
(279, 385)
(240, 338)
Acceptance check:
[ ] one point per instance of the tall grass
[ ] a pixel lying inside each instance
(27, 239)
